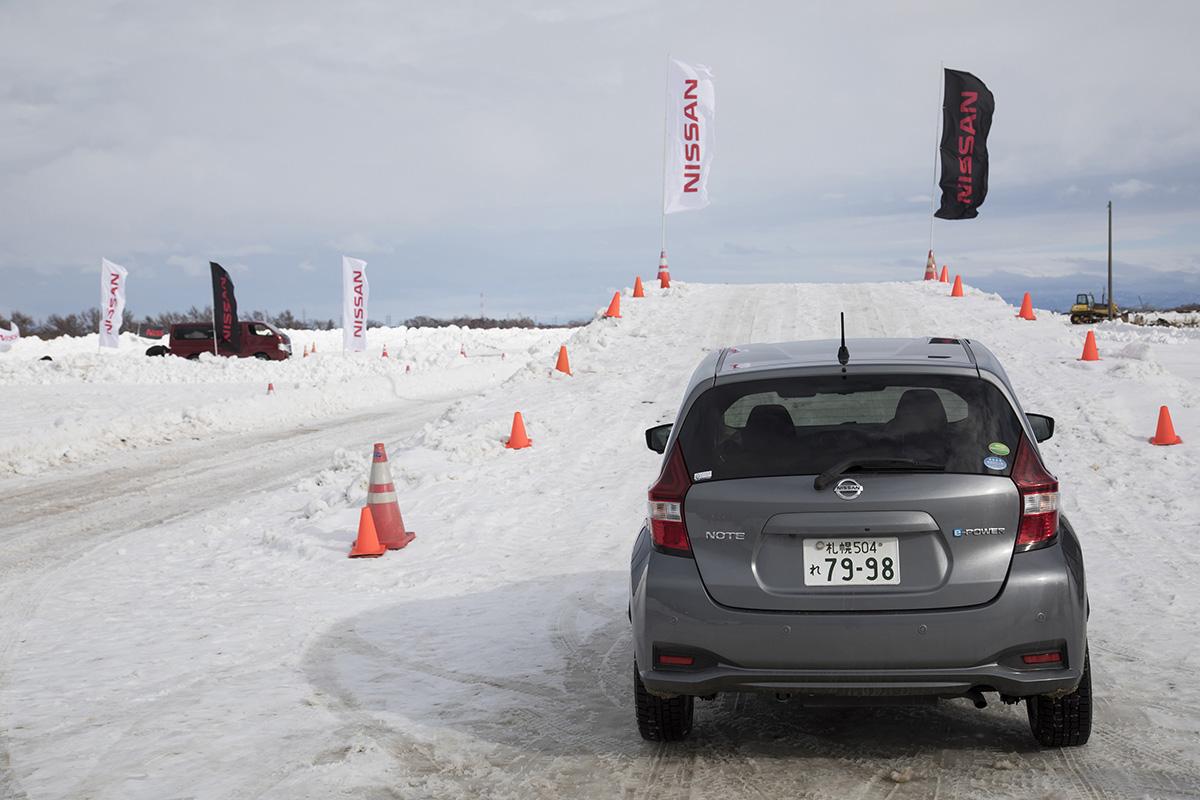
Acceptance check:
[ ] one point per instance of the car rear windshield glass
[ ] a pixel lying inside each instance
(804, 426)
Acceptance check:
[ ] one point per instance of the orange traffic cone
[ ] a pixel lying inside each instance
(930, 268)
(1026, 311)
(1090, 352)
(462, 350)
(957, 290)
(367, 544)
(381, 499)
(384, 350)
(306, 351)
(614, 308)
(664, 274)
(518, 439)
(314, 349)
(638, 291)
(563, 364)
(270, 388)
(945, 276)
(1166, 431)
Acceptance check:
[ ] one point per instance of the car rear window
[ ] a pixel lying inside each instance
(803, 426)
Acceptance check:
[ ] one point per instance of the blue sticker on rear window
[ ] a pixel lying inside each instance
(995, 462)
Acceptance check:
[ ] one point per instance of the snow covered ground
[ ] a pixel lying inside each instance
(178, 618)
(121, 399)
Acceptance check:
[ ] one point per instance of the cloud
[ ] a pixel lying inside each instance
(359, 243)
(1130, 188)
(192, 266)
(502, 141)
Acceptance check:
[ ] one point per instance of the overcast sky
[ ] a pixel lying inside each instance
(513, 148)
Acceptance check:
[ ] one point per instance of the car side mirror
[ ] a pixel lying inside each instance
(656, 437)
(1043, 426)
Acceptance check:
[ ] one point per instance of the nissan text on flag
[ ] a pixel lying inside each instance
(967, 108)
(112, 302)
(688, 136)
(355, 294)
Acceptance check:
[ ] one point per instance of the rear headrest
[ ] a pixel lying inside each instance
(919, 409)
(771, 420)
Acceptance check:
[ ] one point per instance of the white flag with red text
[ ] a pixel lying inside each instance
(7, 337)
(112, 302)
(689, 149)
(354, 304)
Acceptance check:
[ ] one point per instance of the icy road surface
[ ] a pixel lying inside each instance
(179, 623)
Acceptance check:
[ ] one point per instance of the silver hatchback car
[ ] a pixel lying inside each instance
(870, 525)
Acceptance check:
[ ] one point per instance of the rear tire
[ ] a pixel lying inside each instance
(661, 719)
(1064, 721)
(262, 356)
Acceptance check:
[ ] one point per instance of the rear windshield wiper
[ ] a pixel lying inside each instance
(874, 464)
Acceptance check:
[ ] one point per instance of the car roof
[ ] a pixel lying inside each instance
(926, 351)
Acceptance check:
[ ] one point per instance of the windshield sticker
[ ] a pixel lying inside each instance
(998, 449)
(995, 462)
(702, 476)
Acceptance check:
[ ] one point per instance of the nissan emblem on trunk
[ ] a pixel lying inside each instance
(848, 489)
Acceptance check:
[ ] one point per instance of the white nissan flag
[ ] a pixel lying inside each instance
(112, 302)
(689, 149)
(354, 304)
(7, 337)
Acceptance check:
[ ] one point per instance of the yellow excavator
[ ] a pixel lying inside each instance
(1086, 310)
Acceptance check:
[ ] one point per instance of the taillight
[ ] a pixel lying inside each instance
(1053, 657)
(667, 528)
(1039, 499)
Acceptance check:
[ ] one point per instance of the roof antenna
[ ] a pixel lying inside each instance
(843, 353)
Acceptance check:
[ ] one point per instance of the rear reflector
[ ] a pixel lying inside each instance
(1042, 658)
(676, 661)
(1039, 499)
(667, 528)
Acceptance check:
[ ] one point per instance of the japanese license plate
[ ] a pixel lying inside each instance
(852, 562)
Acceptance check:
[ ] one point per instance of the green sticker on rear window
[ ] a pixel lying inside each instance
(998, 448)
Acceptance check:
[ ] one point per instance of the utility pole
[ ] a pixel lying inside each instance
(1110, 295)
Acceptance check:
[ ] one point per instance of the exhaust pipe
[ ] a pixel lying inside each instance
(976, 697)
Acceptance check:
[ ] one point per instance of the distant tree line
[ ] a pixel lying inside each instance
(485, 322)
(88, 321)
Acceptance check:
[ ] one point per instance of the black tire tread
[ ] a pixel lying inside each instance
(661, 719)
(1063, 721)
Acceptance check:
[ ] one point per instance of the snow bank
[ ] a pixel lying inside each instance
(86, 403)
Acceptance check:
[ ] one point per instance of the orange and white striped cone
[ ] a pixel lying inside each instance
(385, 509)
(930, 268)
(664, 274)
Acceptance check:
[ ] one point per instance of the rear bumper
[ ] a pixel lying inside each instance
(946, 652)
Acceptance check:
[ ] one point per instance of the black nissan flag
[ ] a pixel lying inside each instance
(224, 308)
(967, 108)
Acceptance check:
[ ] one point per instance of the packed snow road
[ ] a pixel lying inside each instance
(223, 646)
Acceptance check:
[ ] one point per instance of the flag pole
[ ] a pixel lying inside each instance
(214, 319)
(937, 147)
(666, 116)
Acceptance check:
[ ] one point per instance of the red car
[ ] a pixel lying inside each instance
(259, 339)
